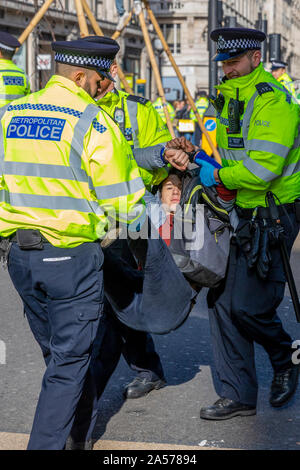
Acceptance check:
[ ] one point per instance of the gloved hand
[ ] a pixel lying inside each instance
(208, 166)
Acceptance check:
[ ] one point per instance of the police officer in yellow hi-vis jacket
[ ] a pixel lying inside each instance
(258, 139)
(67, 174)
(13, 81)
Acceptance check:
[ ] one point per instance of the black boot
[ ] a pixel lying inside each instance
(224, 408)
(284, 386)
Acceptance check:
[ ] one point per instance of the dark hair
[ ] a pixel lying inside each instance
(7, 54)
(173, 171)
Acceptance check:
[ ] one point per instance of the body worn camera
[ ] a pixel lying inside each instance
(235, 110)
(119, 117)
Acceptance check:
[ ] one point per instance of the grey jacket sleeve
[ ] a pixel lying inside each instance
(149, 158)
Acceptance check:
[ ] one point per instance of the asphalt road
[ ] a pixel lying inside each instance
(167, 418)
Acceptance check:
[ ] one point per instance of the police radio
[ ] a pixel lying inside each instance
(235, 110)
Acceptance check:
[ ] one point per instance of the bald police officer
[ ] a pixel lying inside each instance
(13, 81)
(257, 133)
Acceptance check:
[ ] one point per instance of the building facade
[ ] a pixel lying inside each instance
(183, 22)
(185, 26)
(60, 23)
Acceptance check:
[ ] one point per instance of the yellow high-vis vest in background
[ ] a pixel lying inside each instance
(67, 170)
(13, 82)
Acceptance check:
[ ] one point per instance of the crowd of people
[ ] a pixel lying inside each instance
(80, 162)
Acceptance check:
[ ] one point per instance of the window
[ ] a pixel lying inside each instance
(171, 33)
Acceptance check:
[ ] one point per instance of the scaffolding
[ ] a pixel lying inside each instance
(140, 9)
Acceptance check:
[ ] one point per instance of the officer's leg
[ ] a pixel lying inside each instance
(233, 349)
(72, 288)
(138, 346)
(106, 353)
(139, 353)
(256, 314)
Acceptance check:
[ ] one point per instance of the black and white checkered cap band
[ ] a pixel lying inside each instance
(238, 44)
(8, 48)
(83, 60)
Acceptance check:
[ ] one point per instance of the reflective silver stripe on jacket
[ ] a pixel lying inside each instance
(119, 189)
(44, 170)
(80, 130)
(132, 107)
(267, 146)
(10, 97)
(233, 155)
(259, 170)
(49, 202)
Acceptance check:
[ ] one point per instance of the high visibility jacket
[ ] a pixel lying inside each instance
(141, 125)
(13, 82)
(66, 168)
(158, 105)
(201, 105)
(265, 155)
(287, 82)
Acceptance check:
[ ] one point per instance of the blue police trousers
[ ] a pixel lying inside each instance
(243, 311)
(62, 293)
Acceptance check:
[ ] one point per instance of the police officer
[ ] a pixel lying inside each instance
(158, 105)
(143, 128)
(257, 129)
(13, 81)
(62, 187)
(278, 70)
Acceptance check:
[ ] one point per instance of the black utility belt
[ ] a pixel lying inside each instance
(29, 239)
(264, 213)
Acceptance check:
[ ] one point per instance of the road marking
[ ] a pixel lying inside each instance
(18, 441)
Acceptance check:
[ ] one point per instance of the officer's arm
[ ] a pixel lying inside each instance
(152, 129)
(272, 131)
(115, 179)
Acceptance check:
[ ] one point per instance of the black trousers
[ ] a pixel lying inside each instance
(243, 311)
(136, 346)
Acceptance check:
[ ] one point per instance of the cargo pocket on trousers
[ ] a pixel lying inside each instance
(86, 329)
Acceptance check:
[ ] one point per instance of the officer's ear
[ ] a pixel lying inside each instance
(113, 69)
(256, 58)
(79, 77)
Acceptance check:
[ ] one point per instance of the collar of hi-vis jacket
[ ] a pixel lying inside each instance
(6, 62)
(245, 84)
(111, 98)
(69, 85)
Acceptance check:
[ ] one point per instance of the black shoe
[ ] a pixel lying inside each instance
(284, 386)
(72, 445)
(224, 408)
(140, 386)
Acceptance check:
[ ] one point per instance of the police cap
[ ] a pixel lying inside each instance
(92, 52)
(278, 64)
(8, 42)
(232, 42)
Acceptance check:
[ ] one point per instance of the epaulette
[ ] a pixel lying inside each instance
(137, 99)
(263, 88)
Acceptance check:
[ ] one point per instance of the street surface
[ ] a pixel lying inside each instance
(165, 419)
